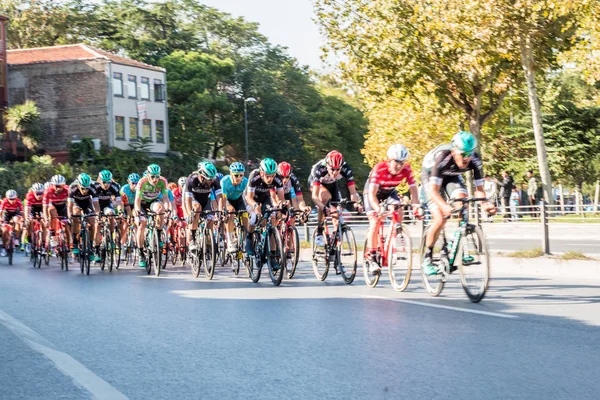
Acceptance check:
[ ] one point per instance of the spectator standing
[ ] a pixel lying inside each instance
(532, 193)
(506, 187)
(491, 192)
(515, 200)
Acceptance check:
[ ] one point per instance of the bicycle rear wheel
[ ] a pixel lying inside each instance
(275, 256)
(254, 263)
(11, 248)
(475, 274)
(400, 260)
(156, 253)
(292, 250)
(347, 255)
(434, 284)
(117, 246)
(103, 250)
(320, 257)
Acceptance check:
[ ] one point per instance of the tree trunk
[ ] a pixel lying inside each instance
(596, 195)
(562, 199)
(536, 115)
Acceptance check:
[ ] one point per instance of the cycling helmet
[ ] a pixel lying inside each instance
(284, 169)
(11, 194)
(207, 170)
(84, 180)
(145, 173)
(182, 181)
(105, 176)
(47, 185)
(464, 141)
(397, 152)
(334, 159)
(134, 178)
(153, 169)
(268, 166)
(37, 187)
(219, 176)
(172, 186)
(58, 180)
(237, 168)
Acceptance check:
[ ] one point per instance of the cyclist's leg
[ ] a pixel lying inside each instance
(373, 233)
(325, 197)
(196, 208)
(75, 229)
(435, 226)
(141, 222)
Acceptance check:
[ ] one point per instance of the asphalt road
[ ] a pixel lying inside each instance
(126, 335)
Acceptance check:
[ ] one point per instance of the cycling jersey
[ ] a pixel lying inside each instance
(380, 175)
(83, 200)
(178, 199)
(33, 203)
(200, 191)
(292, 183)
(230, 191)
(127, 195)
(105, 196)
(15, 208)
(320, 176)
(149, 192)
(169, 195)
(262, 190)
(439, 167)
(53, 198)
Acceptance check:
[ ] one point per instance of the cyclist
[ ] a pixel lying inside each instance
(55, 206)
(381, 187)
(109, 197)
(127, 193)
(233, 186)
(264, 189)
(198, 191)
(84, 200)
(151, 195)
(11, 208)
(442, 175)
(323, 182)
(178, 217)
(33, 208)
(291, 187)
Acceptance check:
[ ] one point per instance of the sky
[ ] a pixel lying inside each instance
(284, 22)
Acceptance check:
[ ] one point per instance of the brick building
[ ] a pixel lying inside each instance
(86, 92)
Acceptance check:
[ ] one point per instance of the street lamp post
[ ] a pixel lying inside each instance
(246, 101)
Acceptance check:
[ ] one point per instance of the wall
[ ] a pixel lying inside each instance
(71, 96)
(127, 107)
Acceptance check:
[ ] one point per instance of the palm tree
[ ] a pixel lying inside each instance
(24, 119)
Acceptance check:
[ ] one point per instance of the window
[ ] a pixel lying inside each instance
(117, 84)
(159, 90)
(160, 132)
(145, 89)
(132, 87)
(120, 128)
(147, 128)
(133, 128)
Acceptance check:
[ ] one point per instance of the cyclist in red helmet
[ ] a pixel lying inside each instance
(324, 187)
(292, 189)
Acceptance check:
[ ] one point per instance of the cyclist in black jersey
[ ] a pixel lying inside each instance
(83, 200)
(109, 196)
(264, 189)
(442, 175)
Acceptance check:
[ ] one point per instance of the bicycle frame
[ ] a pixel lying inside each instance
(384, 241)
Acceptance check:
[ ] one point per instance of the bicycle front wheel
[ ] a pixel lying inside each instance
(275, 256)
(474, 264)
(320, 258)
(370, 279)
(156, 253)
(254, 263)
(209, 253)
(400, 260)
(347, 255)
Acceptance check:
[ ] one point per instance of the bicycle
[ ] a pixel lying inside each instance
(108, 247)
(130, 252)
(11, 242)
(85, 243)
(290, 239)
(178, 236)
(338, 244)
(466, 251)
(37, 242)
(61, 248)
(394, 251)
(223, 256)
(261, 242)
(204, 252)
(239, 233)
(152, 245)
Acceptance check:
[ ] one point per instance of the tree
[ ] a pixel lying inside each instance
(24, 119)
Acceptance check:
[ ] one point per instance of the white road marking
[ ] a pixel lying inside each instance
(420, 303)
(72, 368)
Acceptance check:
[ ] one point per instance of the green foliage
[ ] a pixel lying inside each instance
(25, 120)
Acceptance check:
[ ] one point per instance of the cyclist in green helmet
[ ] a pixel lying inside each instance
(109, 198)
(264, 189)
(198, 192)
(83, 200)
(151, 195)
(441, 176)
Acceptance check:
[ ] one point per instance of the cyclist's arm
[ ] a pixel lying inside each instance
(250, 197)
(138, 202)
(372, 194)
(70, 204)
(414, 194)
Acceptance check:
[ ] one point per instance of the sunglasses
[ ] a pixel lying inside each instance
(270, 176)
(38, 194)
(334, 169)
(237, 175)
(466, 154)
(154, 176)
(84, 189)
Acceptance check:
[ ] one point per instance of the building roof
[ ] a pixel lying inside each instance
(70, 52)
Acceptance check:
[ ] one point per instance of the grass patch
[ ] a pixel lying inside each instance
(533, 253)
(574, 255)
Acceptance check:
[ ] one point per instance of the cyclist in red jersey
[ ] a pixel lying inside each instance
(11, 208)
(381, 187)
(55, 206)
(33, 208)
